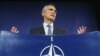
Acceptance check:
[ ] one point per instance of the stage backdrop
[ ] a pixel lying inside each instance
(25, 15)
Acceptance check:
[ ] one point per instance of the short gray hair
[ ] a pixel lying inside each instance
(50, 4)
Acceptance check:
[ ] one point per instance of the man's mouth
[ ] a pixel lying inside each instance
(52, 15)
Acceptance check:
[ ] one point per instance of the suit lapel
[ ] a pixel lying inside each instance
(42, 30)
(54, 31)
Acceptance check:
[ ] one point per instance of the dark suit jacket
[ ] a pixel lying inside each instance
(40, 31)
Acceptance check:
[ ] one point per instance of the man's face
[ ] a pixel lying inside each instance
(49, 13)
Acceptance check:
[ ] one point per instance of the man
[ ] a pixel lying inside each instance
(49, 15)
(48, 27)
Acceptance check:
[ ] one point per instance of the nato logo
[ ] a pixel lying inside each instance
(52, 50)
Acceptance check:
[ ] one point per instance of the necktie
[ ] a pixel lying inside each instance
(49, 30)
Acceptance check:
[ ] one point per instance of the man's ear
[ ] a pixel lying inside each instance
(42, 13)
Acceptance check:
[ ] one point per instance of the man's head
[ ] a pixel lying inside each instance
(49, 13)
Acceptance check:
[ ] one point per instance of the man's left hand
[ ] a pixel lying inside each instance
(81, 30)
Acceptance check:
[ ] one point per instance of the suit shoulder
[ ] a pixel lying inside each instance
(35, 30)
(60, 31)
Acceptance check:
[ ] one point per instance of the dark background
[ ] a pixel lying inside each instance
(70, 15)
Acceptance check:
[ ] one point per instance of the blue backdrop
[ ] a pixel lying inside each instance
(25, 15)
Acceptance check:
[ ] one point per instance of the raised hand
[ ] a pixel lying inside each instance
(14, 29)
(81, 30)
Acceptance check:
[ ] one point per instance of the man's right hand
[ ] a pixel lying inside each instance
(14, 29)
(81, 30)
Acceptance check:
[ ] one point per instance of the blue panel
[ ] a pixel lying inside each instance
(12, 44)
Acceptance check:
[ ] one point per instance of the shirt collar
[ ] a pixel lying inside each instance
(45, 24)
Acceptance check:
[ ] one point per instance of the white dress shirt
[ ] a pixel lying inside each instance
(46, 28)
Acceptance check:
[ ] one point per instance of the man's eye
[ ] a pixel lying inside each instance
(51, 9)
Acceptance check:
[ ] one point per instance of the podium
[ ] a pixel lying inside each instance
(12, 44)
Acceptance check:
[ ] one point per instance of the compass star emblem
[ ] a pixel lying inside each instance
(52, 51)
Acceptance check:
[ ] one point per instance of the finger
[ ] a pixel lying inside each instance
(78, 32)
(80, 28)
(12, 29)
(83, 29)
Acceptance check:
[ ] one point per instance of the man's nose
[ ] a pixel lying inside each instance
(53, 12)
